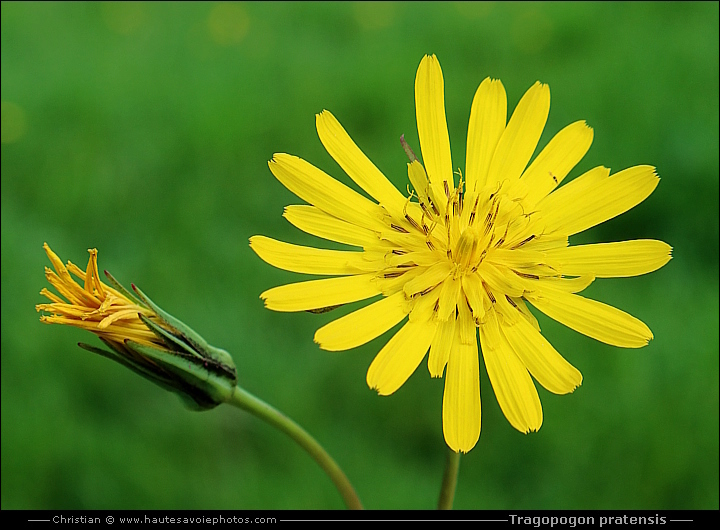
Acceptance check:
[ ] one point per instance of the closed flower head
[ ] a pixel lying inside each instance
(139, 335)
(463, 254)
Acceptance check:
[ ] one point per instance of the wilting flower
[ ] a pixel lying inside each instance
(139, 334)
(464, 254)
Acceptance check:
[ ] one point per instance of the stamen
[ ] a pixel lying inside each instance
(526, 240)
(426, 291)
(411, 193)
(525, 275)
(435, 210)
(461, 188)
(413, 223)
(490, 295)
(474, 209)
(502, 239)
(399, 228)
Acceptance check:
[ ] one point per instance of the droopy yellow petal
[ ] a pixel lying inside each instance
(472, 286)
(449, 294)
(520, 138)
(432, 126)
(602, 201)
(316, 222)
(608, 260)
(510, 379)
(400, 357)
(441, 346)
(307, 260)
(321, 190)
(487, 123)
(592, 318)
(358, 166)
(363, 325)
(461, 398)
(556, 160)
(317, 294)
(542, 360)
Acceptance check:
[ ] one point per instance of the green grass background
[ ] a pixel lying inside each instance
(144, 130)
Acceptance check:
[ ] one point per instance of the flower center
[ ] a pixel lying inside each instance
(467, 249)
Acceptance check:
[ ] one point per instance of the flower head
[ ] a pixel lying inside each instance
(460, 258)
(139, 334)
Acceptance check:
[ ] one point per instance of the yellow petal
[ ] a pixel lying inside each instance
(358, 167)
(609, 260)
(600, 201)
(424, 306)
(522, 307)
(317, 294)
(316, 222)
(400, 357)
(542, 360)
(500, 279)
(510, 380)
(504, 308)
(449, 294)
(441, 346)
(321, 190)
(543, 243)
(53, 297)
(592, 318)
(118, 315)
(430, 277)
(64, 283)
(487, 123)
(307, 260)
(461, 398)
(472, 287)
(520, 138)
(432, 126)
(519, 258)
(571, 192)
(568, 285)
(556, 160)
(363, 325)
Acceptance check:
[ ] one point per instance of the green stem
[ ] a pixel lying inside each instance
(447, 491)
(274, 417)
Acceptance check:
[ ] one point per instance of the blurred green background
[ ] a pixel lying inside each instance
(144, 130)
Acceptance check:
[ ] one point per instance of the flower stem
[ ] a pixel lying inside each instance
(447, 491)
(274, 417)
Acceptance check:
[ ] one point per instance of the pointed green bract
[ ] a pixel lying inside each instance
(196, 345)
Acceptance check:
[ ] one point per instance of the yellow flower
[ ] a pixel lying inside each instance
(140, 335)
(459, 256)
